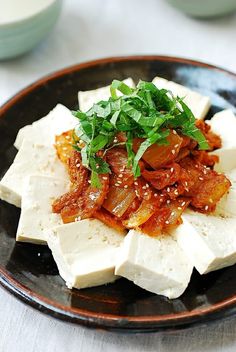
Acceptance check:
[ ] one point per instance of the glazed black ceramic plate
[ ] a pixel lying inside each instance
(29, 272)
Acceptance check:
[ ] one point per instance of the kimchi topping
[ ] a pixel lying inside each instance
(138, 161)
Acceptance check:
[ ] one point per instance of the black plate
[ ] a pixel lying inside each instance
(29, 272)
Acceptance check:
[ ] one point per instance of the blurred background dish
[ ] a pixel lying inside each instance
(205, 8)
(23, 24)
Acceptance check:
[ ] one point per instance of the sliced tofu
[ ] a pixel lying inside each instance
(90, 97)
(232, 176)
(36, 217)
(43, 131)
(85, 252)
(208, 241)
(224, 124)
(199, 104)
(31, 159)
(226, 207)
(227, 159)
(158, 264)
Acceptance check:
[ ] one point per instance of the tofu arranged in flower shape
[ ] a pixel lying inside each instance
(158, 265)
(224, 124)
(85, 252)
(89, 97)
(199, 104)
(43, 131)
(226, 207)
(208, 241)
(31, 159)
(36, 208)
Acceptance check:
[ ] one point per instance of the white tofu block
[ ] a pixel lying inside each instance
(43, 131)
(224, 124)
(90, 97)
(36, 217)
(232, 176)
(226, 207)
(227, 159)
(85, 252)
(31, 159)
(199, 104)
(158, 264)
(208, 241)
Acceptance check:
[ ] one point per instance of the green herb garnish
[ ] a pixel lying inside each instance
(145, 111)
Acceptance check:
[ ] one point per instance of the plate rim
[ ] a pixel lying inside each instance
(113, 322)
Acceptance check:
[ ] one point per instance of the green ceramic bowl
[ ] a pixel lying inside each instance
(205, 8)
(22, 34)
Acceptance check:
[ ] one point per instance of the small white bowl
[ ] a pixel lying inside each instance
(205, 8)
(24, 29)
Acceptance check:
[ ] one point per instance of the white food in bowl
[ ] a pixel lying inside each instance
(23, 24)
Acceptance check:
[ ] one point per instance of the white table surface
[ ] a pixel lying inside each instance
(91, 29)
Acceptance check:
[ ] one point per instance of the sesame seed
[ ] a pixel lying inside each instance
(78, 165)
(206, 207)
(196, 165)
(172, 213)
(119, 182)
(186, 183)
(200, 178)
(167, 175)
(136, 183)
(147, 185)
(176, 145)
(105, 178)
(183, 203)
(168, 189)
(176, 192)
(97, 166)
(174, 131)
(92, 196)
(173, 151)
(64, 148)
(125, 186)
(89, 181)
(115, 140)
(120, 175)
(179, 208)
(167, 222)
(67, 137)
(155, 194)
(136, 192)
(144, 187)
(205, 172)
(172, 169)
(168, 201)
(145, 193)
(211, 200)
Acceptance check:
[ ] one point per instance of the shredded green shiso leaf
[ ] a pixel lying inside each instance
(145, 112)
